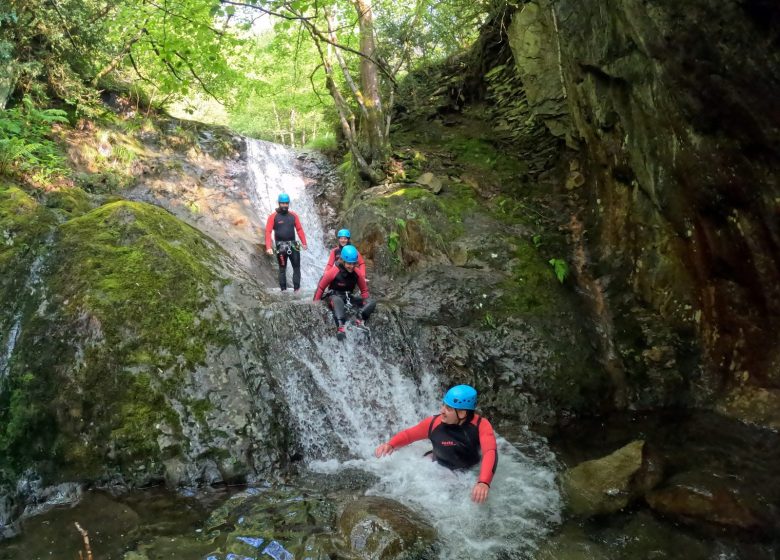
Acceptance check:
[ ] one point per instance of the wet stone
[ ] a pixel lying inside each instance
(382, 529)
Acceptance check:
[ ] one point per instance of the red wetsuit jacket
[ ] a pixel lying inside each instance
(456, 446)
(335, 253)
(283, 227)
(338, 279)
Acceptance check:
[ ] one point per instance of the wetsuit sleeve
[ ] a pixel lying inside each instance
(410, 435)
(325, 281)
(361, 263)
(299, 229)
(331, 259)
(487, 443)
(269, 228)
(361, 282)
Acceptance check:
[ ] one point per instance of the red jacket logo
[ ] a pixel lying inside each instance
(449, 443)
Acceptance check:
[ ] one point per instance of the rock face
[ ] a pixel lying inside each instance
(674, 110)
(133, 358)
(609, 484)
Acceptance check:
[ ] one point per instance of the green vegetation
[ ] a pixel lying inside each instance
(26, 151)
(531, 288)
(128, 285)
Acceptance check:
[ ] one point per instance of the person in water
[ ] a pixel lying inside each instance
(460, 437)
(283, 224)
(344, 239)
(336, 287)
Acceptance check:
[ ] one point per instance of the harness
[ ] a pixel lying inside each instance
(287, 247)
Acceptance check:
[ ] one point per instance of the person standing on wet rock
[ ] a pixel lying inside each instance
(460, 437)
(283, 224)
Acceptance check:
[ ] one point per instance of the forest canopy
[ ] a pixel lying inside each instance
(290, 71)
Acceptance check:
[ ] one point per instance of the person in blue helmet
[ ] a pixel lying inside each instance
(284, 224)
(336, 287)
(460, 437)
(344, 239)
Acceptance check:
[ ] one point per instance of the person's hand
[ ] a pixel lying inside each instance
(384, 449)
(269, 251)
(480, 492)
(305, 247)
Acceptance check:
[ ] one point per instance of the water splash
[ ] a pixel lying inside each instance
(346, 398)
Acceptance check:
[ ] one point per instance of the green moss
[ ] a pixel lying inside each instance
(128, 285)
(532, 287)
(24, 226)
(134, 264)
(352, 183)
(73, 201)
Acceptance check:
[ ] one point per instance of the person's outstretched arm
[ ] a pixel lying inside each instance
(405, 437)
(487, 443)
(331, 259)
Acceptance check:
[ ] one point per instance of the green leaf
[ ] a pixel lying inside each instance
(560, 268)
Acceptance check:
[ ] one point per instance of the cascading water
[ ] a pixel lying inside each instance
(272, 171)
(346, 398)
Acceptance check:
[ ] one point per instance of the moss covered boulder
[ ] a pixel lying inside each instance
(609, 484)
(128, 364)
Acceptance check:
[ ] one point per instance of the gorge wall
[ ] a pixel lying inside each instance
(673, 121)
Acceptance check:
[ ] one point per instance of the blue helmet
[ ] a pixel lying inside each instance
(284, 197)
(349, 254)
(463, 397)
(344, 233)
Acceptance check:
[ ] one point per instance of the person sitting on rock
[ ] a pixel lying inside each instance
(344, 239)
(460, 437)
(284, 223)
(336, 287)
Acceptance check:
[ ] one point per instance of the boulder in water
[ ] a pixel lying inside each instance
(609, 484)
(382, 529)
(706, 500)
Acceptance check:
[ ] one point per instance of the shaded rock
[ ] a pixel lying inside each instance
(644, 536)
(611, 483)
(706, 500)
(753, 405)
(571, 544)
(382, 529)
(681, 194)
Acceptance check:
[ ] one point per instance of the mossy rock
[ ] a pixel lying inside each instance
(72, 201)
(124, 320)
(24, 226)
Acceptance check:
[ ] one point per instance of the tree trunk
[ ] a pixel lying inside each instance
(378, 143)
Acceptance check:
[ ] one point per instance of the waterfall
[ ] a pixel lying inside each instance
(345, 398)
(272, 171)
(8, 349)
(31, 285)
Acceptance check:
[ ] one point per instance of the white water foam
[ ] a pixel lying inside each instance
(347, 398)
